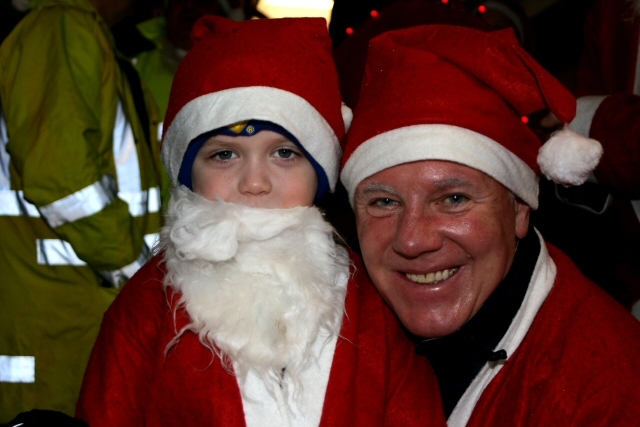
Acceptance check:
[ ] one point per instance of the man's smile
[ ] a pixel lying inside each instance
(433, 277)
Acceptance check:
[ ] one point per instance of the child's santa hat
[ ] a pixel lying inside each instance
(276, 71)
(451, 93)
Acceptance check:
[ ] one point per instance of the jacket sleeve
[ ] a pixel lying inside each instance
(61, 104)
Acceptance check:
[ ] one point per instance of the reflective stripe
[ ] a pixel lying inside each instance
(13, 203)
(119, 277)
(81, 204)
(5, 181)
(636, 207)
(56, 252)
(154, 203)
(151, 240)
(60, 252)
(143, 202)
(17, 369)
(91, 199)
(125, 157)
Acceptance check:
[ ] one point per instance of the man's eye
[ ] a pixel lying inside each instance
(382, 202)
(382, 207)
(224, 155)
(285, 153)
(456, 199)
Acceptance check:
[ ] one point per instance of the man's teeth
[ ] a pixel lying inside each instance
(431, 278)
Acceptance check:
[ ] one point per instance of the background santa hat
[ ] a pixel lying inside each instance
(273, 70)
(452, 93)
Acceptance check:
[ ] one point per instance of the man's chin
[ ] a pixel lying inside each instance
(430, 325)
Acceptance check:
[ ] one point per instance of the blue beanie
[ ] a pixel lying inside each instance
(248, 128)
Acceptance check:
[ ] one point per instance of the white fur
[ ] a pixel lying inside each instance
(440, 142)
(259, 284)
(347, 116)
(635, 4)
(225, 107)
(567, 157)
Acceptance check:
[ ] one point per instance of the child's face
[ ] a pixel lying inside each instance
(263, 170)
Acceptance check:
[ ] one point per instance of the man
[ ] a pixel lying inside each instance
(441, 169)
(79, 190)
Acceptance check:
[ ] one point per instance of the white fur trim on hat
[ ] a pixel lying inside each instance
(441, 142)
(568, 157)
(226, 107)
(347, 116)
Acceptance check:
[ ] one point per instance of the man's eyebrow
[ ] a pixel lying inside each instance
(376, 187)
(453, 182)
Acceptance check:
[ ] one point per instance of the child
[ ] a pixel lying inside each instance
(242, 318)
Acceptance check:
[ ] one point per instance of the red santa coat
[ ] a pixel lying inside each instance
(376, 378)
(578, 363)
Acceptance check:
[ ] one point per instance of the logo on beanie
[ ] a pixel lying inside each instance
(237, 128)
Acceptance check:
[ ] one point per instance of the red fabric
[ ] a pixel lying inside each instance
(292, 54)
(457, 76)
(351, 55)
(579, 364)
(376, 377)
(616, 125)
(611, 48)
(608, 67)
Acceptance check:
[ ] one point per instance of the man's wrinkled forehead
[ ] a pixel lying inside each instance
(441, 178)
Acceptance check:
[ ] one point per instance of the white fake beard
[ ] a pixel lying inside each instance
(635, 4)
(259, 284)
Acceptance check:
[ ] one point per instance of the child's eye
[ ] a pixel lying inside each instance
(224, 155)
(285, 153)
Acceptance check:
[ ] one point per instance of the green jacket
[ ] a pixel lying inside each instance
(79, 198)
(158, 66)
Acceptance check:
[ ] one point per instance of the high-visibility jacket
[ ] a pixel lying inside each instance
(158, 66)
(80, 197)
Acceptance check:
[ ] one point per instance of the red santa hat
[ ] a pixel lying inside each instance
(272, 70)
(441, 92)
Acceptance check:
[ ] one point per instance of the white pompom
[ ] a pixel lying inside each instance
(347, 116)
(567, 157)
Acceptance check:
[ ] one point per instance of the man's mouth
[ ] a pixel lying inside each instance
(432, 278)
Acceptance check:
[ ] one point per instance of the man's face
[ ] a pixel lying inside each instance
(437, 238)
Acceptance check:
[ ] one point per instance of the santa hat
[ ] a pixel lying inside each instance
(277, 71)
(458, 94)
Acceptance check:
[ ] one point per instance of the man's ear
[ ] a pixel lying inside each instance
(522, 218)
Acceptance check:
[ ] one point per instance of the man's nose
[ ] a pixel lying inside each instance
(255, 179)
(417, 233)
